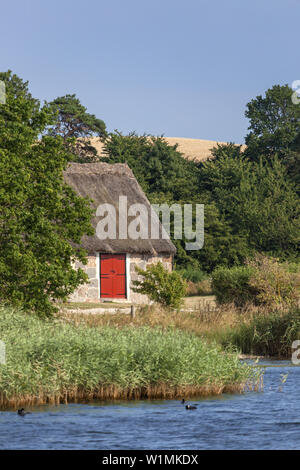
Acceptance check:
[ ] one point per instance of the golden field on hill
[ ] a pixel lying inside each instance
(192, 149)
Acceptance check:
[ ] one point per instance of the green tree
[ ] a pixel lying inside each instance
(167, 177)
(218, 176)
(223, 246)
(76, 126)
(268, 208)
(158, 166)
(230, 150)
(274, 123)
(257, 201)
(41, 218)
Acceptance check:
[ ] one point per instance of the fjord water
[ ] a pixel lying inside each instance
(254, 420)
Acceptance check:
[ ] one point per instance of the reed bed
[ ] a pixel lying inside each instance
(266, 334)
(59, 361)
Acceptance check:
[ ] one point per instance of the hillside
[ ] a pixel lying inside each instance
(197, 149)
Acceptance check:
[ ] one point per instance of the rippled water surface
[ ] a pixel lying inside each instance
(264, 420)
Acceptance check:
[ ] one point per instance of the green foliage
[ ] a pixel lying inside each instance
(217, 178)
(167, 177)
(258, 202)
(262, 281)
(39, 214)
(266, 335)
(268, 207)
(193, 275)
(275, 129)
(72, 122)
(251, 198)
(275, 283)
(230, 150)
(274, 123)
(257, 192)
(51, 360)
(158, 166)
(232, 285)
(221, 245)
(162, 286)
(291, 162)
(198, 282)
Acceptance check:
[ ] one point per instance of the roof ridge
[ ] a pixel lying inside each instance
(99, 168)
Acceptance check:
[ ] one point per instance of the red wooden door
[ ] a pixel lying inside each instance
(113, 276)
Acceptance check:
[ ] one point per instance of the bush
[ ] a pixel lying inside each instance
(162, 286)
(267, 335)
(232, 285)
(276, 284)
(262, 281)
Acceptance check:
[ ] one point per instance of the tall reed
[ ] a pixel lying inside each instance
(56, 361)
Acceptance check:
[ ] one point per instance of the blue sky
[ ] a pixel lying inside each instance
(178, 68)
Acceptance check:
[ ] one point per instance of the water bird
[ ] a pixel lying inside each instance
(22, 412)
(190, 407)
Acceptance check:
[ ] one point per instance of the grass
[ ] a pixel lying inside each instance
(205, 319)
(269, 334)
(63, 360)
(252, 330)
(90, 305)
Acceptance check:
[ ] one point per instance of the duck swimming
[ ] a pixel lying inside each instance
(22, 412)
(190, 407)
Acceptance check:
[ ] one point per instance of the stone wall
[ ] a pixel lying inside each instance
(90, 292)
(87, 292)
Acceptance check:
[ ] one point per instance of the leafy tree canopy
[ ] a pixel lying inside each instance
(41, 218)
(158, 166)
(73, 122)
(222, 150)
(258, 201)
(274, 123)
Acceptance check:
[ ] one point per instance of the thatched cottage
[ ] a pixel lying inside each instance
(112, 261)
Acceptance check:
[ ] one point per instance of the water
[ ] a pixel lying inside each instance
(264, 420)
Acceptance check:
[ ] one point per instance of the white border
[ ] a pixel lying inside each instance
(97, 254)
(127, 260)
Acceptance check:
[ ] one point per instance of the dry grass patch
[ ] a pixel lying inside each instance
(206, 319)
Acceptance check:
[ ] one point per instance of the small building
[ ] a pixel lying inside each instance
(112, 261)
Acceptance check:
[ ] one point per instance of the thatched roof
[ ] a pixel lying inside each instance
(104, 183)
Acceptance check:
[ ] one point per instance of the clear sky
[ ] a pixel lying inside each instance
(178, 68)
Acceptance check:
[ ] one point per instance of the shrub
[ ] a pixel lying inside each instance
(262, 281)
(276, 284)
(162, 286)
(232, 285)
